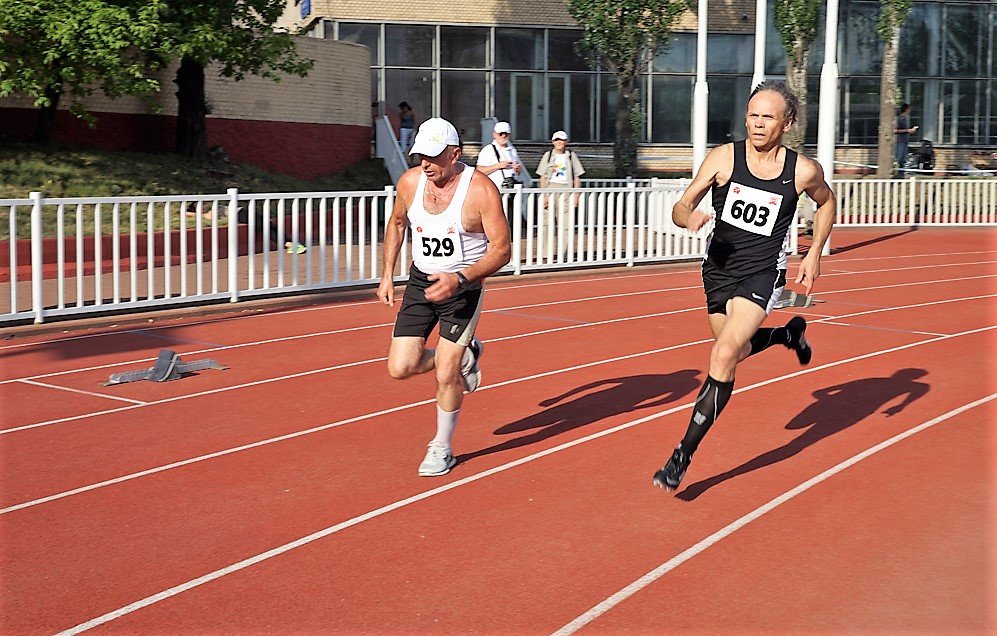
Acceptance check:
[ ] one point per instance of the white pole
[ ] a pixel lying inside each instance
(761, 24)
(700, 95)
(828, 104)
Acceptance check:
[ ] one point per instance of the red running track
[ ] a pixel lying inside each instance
(281, 495)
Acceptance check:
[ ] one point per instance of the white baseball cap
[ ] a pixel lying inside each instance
(503, 127)
(433, 137)
(559, 135)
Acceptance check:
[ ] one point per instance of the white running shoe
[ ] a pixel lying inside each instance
(469, 369)
(439, 460)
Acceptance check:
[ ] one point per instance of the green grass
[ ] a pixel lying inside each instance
(70, 172)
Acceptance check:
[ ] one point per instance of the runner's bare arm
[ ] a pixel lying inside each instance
(810, 175)
(717, 163)
(394, 232)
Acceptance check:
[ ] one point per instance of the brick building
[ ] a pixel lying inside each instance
(305, 127)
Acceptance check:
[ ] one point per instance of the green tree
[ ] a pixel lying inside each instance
(623, 35)
(892, 15)
(796, 21)
(239, 35)
(51, 48)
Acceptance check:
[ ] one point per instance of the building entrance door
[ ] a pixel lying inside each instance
(526, 107)
(559, 104)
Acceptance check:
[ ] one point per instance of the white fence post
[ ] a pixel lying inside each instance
(233, 245)
(36, 258)
(517, 229)
(912, 206)
(631, 220)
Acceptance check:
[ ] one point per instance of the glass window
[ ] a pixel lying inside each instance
(609, 97)
(521, 49)
(671, 115)
(563, 54)
(863, 50)
(519, 99)
(462, 101)
(860, 110)
(920, 40)
(408, 45)
(965, 40)
(730, 53)
(679, 56)
(464, 47)
(583, 100)
(367, 34)
(412, 86)
(993, 113)
(728, 100)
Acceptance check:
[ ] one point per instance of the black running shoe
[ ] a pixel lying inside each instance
(671, 475)
(797, 342)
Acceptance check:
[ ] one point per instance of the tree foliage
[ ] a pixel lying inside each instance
(623, 35)
(892, 15)
(51, 48)
(797, 22)
(239, 35)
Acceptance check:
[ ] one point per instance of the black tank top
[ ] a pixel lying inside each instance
(753, 218)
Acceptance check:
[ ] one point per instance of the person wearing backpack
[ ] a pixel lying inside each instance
(500, 162)
(560, 168)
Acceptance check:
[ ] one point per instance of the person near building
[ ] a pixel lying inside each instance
(560, 169)
(459, 238)
(500, 161)
(903, 131)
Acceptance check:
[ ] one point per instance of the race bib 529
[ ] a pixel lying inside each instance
(439, 246)
(751, 209)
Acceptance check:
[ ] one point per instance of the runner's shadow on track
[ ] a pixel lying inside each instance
(601, 399)
(835, 409)
(878, 239)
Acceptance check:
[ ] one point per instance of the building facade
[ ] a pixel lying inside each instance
(517, 61)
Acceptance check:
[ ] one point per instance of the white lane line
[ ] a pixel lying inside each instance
(92, 393)
(340, 331)
(325, 427)
(389, 324)
(373, 360)
(904, 269)
(853, 325)
(495, 286)
(927, 282)
(666, 567)
(287, 547)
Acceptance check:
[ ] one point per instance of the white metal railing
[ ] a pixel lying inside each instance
(926, 202)
(120, 253)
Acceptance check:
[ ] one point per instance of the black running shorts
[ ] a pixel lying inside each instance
(458, 316)
(762, 288)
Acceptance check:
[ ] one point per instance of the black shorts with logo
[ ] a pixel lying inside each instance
(458, 316)
(762, 288)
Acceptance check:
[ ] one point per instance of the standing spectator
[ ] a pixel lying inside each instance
(561, 169)
(903, 130)
(406, 118)
(500, 161)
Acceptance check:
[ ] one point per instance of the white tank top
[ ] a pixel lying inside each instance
(439, 242)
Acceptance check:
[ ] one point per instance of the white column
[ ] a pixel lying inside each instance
(828, 104)
(761, 24)
(700, 98)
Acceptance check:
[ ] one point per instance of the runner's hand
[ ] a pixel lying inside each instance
(444, 286)
(808, 273)
(697, 219)
(386, 292)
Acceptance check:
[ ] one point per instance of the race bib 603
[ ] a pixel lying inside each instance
(751, 209)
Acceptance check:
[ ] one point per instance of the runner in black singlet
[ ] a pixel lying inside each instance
(756, 184)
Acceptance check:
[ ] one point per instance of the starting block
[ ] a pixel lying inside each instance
(168, 367)
(793, 299)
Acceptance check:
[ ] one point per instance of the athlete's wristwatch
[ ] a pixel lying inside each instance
(461, 281)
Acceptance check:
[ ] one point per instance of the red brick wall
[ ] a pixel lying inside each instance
(306, 150)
